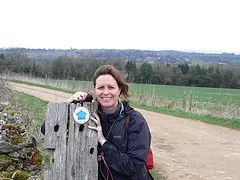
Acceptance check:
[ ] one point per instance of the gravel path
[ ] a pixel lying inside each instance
(183, 149)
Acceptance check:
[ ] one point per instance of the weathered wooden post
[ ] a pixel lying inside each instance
(73, 83)
(73, 145)
(46, 79)
(190, 101)
(184, 101)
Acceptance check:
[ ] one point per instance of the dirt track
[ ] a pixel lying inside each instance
(183, 148)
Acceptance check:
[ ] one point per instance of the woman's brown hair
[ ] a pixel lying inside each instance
(116, 74)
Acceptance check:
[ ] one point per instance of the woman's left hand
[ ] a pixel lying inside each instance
(98, 128)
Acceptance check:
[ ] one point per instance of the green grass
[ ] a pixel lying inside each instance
(200, 94)
(155, 174)
(227, 122)
(34, 105)
(43, 86)
(213, 99)
(169, 93)
(216, 101)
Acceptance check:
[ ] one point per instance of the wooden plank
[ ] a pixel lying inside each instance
(48, 174)
(90, 156)
(70, 145)
(79, 148)
(60, 153)
(51, 121)
(79, 162)
(74, 146)
(55, 137)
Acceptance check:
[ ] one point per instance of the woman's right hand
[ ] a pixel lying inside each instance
(98, 128)
(78, 96)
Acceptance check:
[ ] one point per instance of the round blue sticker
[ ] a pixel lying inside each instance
(81, 115)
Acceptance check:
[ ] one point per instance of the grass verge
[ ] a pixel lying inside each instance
(34, 105)
(43, 86)
(208, 118)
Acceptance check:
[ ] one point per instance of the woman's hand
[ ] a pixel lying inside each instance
(98, 128)
(78, 96)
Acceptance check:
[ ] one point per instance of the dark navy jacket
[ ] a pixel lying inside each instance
(125, 150)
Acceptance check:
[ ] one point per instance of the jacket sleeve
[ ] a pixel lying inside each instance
(138, 144)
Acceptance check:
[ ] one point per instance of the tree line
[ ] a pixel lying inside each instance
(82, 67)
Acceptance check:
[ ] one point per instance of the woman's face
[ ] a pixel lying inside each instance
(107, 92)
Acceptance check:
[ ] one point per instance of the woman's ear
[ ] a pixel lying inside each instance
(120, 92)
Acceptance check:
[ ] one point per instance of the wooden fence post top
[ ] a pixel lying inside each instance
(73, 145)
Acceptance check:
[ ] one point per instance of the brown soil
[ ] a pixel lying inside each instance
(183, 148)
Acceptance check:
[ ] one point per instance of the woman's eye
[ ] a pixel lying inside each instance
(100, 87)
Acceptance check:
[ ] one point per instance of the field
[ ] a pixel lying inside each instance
(215, 101)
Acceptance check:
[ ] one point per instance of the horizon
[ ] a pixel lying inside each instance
(186, 51)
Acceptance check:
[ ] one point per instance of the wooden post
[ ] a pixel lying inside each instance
(73, 83)
(190, 101)
(184, 101)
(238, 111)
(73, 145)
(46, 79)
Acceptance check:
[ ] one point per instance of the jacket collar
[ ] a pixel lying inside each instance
(110, 118)
(122, 110)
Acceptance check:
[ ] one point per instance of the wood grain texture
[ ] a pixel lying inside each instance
(73, 145)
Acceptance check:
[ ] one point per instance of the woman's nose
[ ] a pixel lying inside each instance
(105, 91)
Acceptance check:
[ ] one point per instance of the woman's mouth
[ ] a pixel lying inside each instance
(106, 98)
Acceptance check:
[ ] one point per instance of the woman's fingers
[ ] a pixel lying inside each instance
(96, 119)
(98, 128)
(93, 128)
(78, 96)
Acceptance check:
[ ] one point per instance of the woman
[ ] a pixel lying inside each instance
(124, 147)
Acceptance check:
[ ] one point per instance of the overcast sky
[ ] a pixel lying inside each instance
(187, 25)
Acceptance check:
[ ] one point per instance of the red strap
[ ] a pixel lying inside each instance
(101, 157)
(149, 160)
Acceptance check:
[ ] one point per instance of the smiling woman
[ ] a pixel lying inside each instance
(107, 92)
(109, 85)
(122, 152)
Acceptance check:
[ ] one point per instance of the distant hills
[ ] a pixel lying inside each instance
(166, 57)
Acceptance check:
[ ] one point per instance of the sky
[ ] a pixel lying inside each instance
(184, 25)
